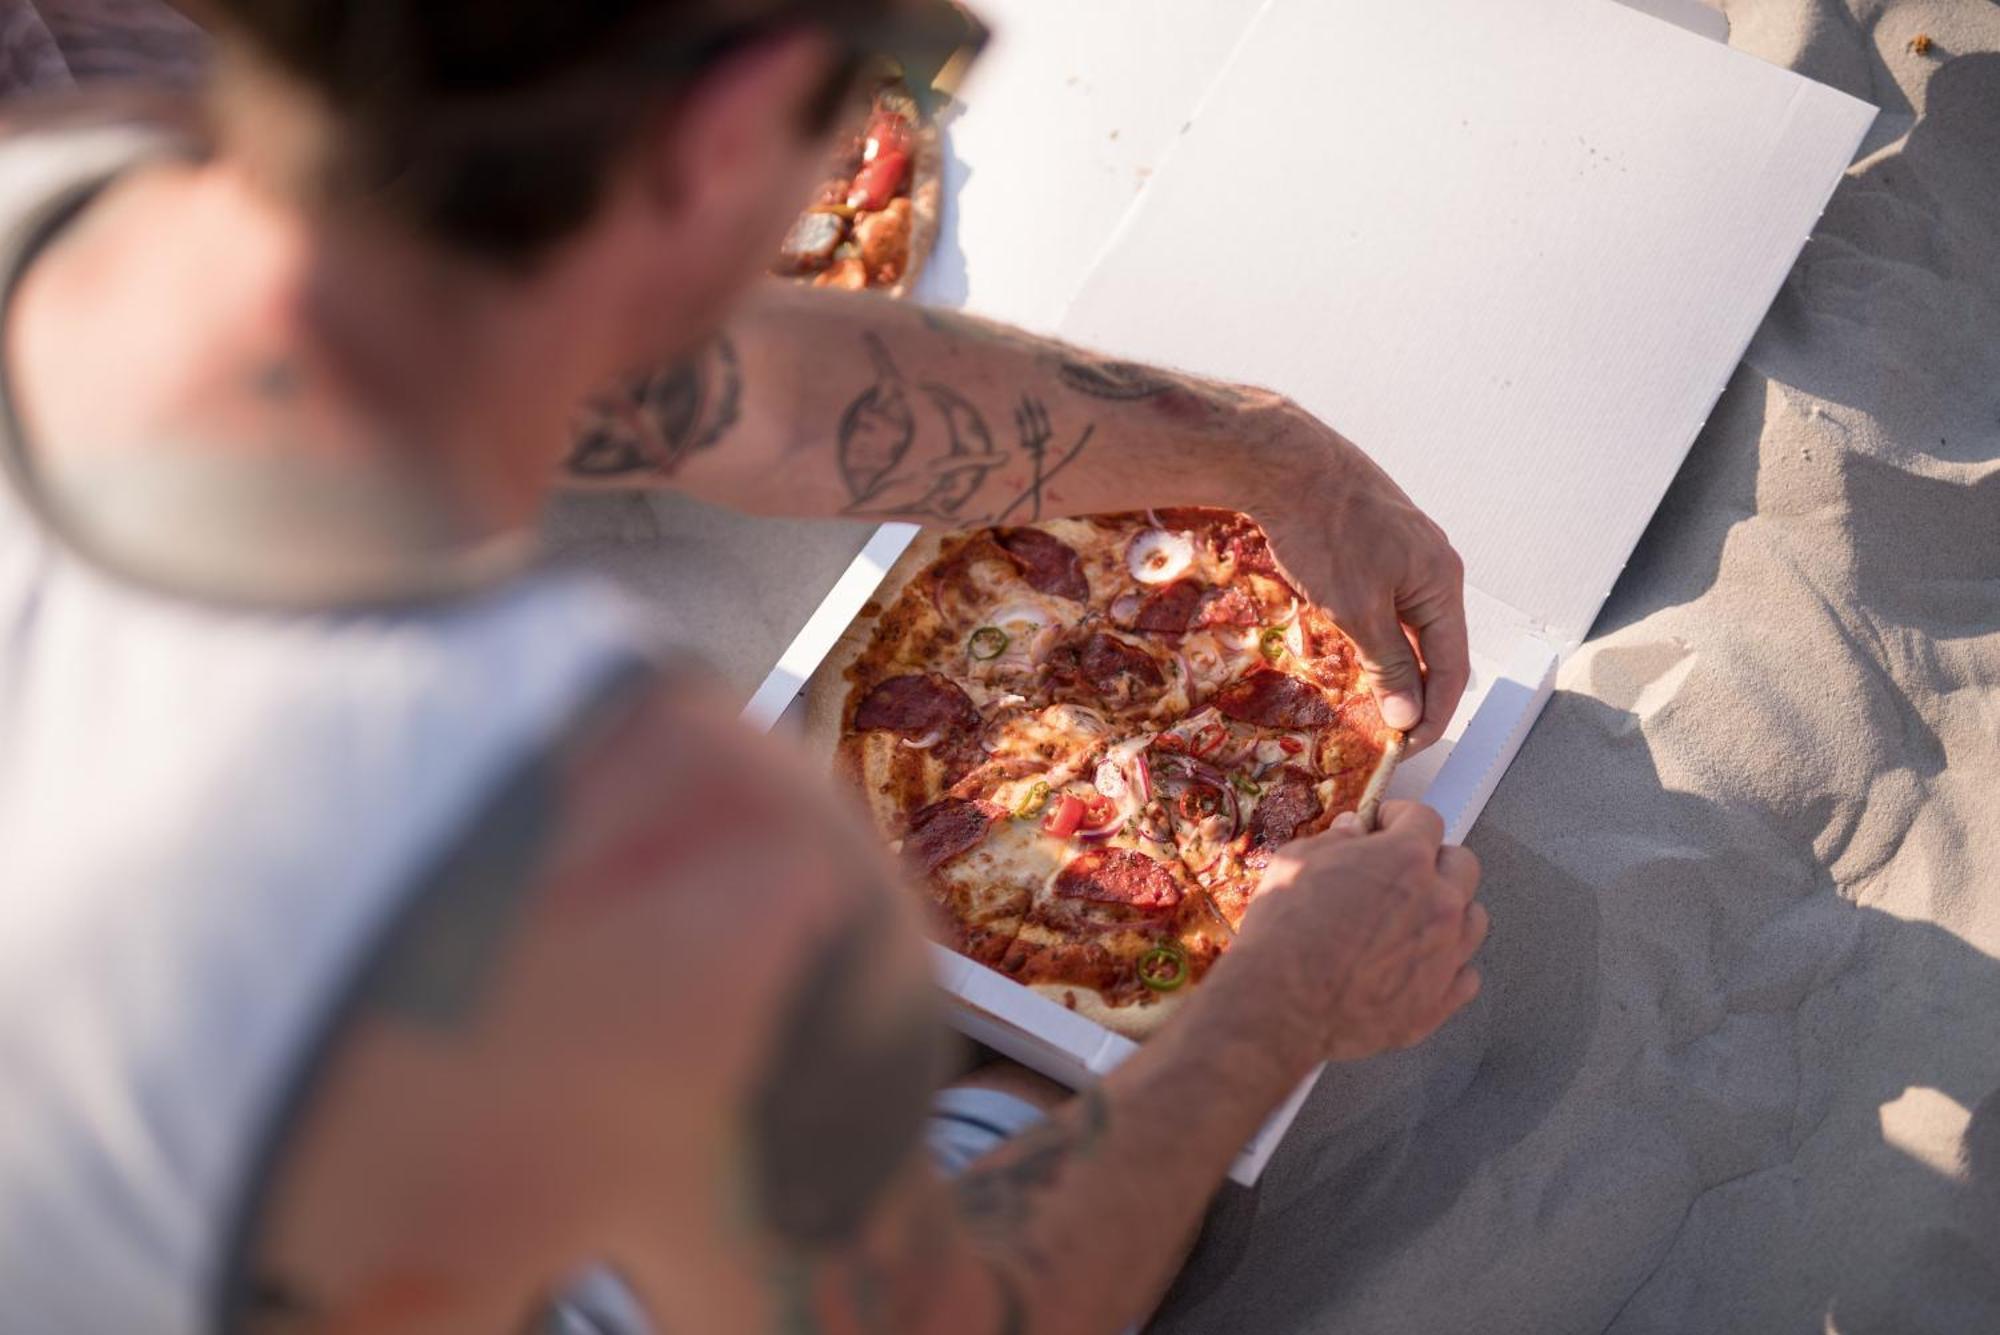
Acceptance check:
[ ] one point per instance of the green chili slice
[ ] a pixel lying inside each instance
(1163, 968)
(1272, 643)
(1032, 803)
(1246, 786)
(988, 642)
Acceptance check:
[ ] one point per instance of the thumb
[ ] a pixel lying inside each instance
(1392, 669)
(1346, 825)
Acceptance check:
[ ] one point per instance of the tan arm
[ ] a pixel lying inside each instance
(832, 403)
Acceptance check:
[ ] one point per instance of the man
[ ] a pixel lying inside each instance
(386, 935)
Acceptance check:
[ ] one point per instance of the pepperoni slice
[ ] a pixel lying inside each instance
(1226, 607)
(947, 828)
(1049, 564)
(1274, 700)
(1103, 659)
(1237, 537)
(1289, 800)
(1119, 876)
(916, 704)
(1169, 611)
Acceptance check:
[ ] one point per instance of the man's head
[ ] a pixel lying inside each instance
(679, 134)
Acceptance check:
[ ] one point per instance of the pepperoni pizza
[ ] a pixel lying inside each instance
(1088, 736)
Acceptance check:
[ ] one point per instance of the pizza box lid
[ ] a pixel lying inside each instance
(1514, 251)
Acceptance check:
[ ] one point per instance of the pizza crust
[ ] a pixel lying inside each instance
(926, 200)
(827, 690)
(1369, 809)
(1137, 1023)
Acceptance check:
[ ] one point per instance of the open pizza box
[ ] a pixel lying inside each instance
(1513, 249)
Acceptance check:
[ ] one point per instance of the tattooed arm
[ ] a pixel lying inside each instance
(666, 1009)
(818, 403)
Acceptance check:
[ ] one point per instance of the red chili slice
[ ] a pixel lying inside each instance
(1064, 820)
(1208, 738)
(1291, 746)
(1170, 741)
(877, 182)
(1098, 810)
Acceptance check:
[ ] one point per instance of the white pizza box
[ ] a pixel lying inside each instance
(1513, 249)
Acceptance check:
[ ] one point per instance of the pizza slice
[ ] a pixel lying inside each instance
(1118, 935)
(1275, 758)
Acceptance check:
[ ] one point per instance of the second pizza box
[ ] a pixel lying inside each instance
(1513, 250)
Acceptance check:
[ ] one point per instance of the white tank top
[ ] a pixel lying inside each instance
(208, 816)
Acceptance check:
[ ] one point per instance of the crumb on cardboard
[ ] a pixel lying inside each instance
(1921, 44)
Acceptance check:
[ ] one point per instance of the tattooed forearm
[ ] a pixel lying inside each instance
(996, 1196)
(923, 450)
(650, 424)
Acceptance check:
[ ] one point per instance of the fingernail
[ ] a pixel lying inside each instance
(1401, 710)
(1347, 823)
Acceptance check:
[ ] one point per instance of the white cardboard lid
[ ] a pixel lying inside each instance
(1525, 317)
(1513, 251)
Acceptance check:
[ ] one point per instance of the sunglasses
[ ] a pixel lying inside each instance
(929, 44)
(932, 44)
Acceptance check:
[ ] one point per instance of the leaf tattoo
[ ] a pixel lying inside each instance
(877, 429)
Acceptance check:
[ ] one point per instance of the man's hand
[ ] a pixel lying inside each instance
(1355, 544)
(1366, 939)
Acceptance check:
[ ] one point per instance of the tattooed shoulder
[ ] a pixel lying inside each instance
(845, 1084)
(652, 423)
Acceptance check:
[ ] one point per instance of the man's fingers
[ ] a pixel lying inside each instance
(1477, 923)
(1347, 825)
(1412, 820)
(1463, 989)
(1460, 870)
(1391, 661)
(1447, 667)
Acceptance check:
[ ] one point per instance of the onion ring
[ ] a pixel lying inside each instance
(1159, 557)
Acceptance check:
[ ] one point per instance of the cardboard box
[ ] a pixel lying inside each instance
(1513, 250)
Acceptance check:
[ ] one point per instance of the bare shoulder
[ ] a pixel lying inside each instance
(664, 974)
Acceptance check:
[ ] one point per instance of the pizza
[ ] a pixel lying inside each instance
(871, 223)
(1087, 737)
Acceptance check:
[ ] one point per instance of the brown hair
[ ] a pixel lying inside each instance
(491, 125)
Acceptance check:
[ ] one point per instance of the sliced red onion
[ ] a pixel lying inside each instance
(925, 742)
(1159, 557)
(1125, 609)
(1153, 518)
(1290, 616)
